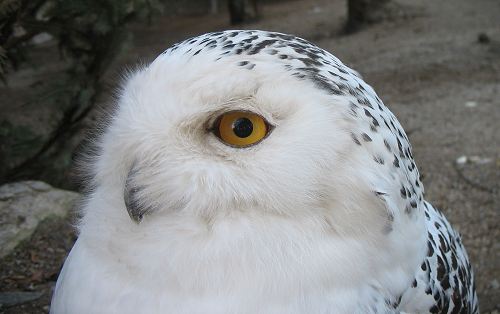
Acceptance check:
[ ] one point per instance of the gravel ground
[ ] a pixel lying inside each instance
(436, 64)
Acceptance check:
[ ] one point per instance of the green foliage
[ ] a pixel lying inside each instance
(89, 34)
(18, 137)
(82, 28)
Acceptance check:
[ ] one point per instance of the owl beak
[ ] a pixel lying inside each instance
(136, 208)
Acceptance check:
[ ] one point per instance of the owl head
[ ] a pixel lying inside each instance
(253, 123)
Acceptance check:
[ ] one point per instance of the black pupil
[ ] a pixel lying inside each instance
(242, 127)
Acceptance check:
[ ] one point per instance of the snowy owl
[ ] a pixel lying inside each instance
(253, 172)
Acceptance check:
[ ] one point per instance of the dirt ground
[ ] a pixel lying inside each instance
(436, 64)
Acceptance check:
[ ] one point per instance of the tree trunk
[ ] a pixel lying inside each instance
(236, 11)
(362, 12)
(242, 11)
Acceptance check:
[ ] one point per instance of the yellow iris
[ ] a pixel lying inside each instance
(241, 128)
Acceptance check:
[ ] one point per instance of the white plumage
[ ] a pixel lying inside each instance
(323, 215)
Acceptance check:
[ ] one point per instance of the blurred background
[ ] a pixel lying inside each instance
(435, 64)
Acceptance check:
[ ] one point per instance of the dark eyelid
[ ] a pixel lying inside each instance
(215, 126)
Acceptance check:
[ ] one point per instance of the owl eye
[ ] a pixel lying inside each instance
(241, 128)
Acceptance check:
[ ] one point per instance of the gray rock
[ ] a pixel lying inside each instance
(17, 297)
(23, 205)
